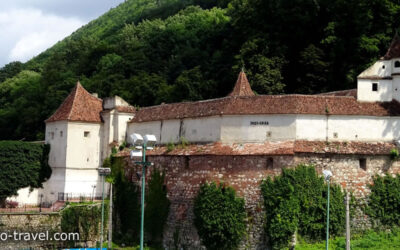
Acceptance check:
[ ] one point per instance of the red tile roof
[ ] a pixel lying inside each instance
(80, 105)
(394, 49)
(242, 86)
(267, 104)
(276, 148)
(126, 109)
(348, 92)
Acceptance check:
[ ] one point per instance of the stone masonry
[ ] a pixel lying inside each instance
(185, 174)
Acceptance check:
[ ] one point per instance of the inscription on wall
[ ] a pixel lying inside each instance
(259, 123)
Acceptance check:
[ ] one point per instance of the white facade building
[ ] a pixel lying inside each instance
(83, 130)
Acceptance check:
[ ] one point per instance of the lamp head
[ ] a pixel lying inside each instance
(137, 140)
(150, 141)
(327, 174)
(136, 153)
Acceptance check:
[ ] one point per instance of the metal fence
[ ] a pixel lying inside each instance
(81, 197)
(31, 209)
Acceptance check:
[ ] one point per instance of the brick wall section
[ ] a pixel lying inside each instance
(184, 175)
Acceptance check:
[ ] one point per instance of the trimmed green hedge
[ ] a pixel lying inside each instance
(219, 216)
(296, 202)
(22, 164)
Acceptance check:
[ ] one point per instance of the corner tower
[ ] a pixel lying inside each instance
(74, 134)
(381, 81)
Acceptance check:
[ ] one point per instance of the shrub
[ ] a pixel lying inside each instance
(83, 219)
(219, 216)
(394, 154)
(170, 146)
(22, 164)
(384, 200)
(296, 201)
(157, 207)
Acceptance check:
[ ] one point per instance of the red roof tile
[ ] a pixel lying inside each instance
(80, 105)
(348, 92)
(267, 104)
(126, 109)
(276, 148)
(242, 86)
(394, 49)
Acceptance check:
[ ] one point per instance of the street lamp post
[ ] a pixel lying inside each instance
(144, 143)
(103, 172)
(93, 187)
(327, 175)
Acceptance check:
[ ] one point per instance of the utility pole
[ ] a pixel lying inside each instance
(347, 221)
(110, 218)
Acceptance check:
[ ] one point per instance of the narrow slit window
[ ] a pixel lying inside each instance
(270, 163)
(363, 163)
(374, 86)
(61, 134)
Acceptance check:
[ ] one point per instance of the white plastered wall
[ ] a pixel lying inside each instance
(311, 127)
(363, 128)
(207, 129)
(170, 131)
(153, 127)
(238, 128)
(365, 93)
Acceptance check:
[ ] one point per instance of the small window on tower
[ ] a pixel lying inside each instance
(397, 64)
(374, 86)
(86, 134)
(61, 134)
(52, 135)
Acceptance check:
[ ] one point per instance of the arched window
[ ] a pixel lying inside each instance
(397, 64)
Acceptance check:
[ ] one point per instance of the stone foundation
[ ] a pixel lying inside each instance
(184, 175)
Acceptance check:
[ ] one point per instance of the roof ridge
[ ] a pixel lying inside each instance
(73, 99)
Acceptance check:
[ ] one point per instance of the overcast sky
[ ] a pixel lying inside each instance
(28, 27)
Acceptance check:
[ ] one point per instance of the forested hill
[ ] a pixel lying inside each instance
(153, 51)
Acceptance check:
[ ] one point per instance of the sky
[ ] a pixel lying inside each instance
(28, 27)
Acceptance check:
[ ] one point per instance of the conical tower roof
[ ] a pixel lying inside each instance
(242, 86)
(394, 49)
(80, 105)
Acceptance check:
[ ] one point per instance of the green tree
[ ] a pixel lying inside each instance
(219, 216)
(296, 202)
(10, 70)
(22, 165)
(157, 207)
(384, 200)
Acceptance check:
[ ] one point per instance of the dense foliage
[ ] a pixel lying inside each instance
(126, 204)
(153, 51)
(384, 200)
(22, 164)
(83, 219)
(157, 208)
(219, 216)
(296, 202)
